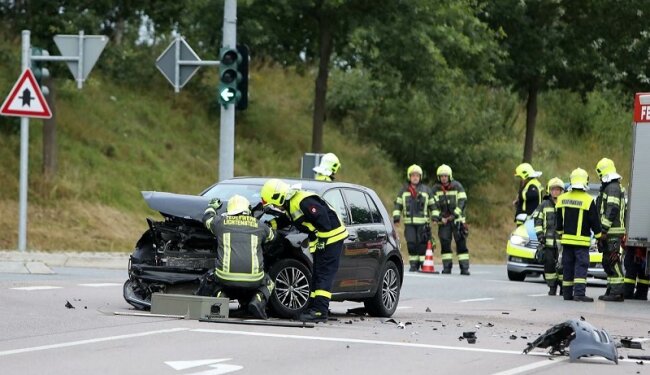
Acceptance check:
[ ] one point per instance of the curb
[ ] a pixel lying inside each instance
(40, 262)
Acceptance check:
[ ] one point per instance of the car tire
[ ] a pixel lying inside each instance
(516, 276)
(292, 287)
(384, 302)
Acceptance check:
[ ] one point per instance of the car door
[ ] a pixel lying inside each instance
(345, 279)
(367, 237)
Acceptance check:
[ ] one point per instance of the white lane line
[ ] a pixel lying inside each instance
(423, 276)
(531, 366)
(89, 341)
(475, 300)
(100, 285)
(357, 341)
(538, 295)
(41, 287)
(403, 307)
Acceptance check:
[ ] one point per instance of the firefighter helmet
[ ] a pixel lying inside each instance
(554, 182)
(274, 192)
(329, 165)
(526, 171)
(238, 205)
(444, 170)
(579, 179)
(604, 167)
(414, 169)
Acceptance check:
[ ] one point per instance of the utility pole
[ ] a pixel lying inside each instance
(227, 138)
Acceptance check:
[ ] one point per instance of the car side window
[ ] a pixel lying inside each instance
(376, 216)
(359, 208)
(334, 198)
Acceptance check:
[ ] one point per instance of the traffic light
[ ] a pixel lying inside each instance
(229, 77)
(242, 68)
(39, 69)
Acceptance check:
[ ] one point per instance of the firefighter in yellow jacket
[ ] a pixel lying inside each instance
(530, 192)
(413, 206)
(310, 214)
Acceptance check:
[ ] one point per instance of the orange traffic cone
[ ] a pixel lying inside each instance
(428, 266)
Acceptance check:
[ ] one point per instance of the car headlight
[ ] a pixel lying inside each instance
(519, 240)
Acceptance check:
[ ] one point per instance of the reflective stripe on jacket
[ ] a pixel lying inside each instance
(312, 214)
(415, 210)
(544, 217)
(577, 217)
(611, 207)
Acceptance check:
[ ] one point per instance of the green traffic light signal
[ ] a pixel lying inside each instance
(229, 77)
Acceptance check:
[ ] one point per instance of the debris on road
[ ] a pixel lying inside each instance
(427, 310)
(579, 337)
(401, 325)
(469, 334)
(630, 343)
(513, 337)
(642, 357)
(69, 305)
(357, 311)
(505, 313)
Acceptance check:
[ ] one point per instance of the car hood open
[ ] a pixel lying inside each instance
(180, 205)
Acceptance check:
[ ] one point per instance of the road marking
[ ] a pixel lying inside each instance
(403, 307)
(476, 300)
(41, 287)
(357, 341)
(538, 295)
(89, 341)
(218, 368)
(100, 285)
(423, 276)
(531, 366)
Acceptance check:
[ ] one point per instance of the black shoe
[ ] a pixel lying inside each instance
(312, 316)
(583, 299)
(612, 298)
(464, 272)
(256, 308)
(552, 290)
(414, 267)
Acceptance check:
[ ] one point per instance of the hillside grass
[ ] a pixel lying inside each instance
(116, 140)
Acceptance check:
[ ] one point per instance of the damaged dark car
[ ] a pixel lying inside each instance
(176, 251)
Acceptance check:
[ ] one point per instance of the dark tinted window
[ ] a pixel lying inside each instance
(376, 216)
(359, 208)
(334, 198)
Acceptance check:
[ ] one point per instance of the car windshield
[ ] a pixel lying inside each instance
(225, 191)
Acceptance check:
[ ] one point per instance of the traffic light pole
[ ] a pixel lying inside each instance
(24, 154)
(227, 131)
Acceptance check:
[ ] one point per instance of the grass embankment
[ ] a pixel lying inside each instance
(116, 140)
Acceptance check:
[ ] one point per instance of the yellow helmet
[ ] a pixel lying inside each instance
(579, 179)
(413, 169)
(554, 182)
(238, 205)
(604, 167)
(444, 170)
(274, 192)
(526, 171)
(329, 165)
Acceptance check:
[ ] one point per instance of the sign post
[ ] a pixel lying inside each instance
(81, 53)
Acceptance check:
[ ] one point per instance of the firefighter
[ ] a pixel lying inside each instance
(544, 216)
(310, 214)
(530, 192)
(576, 219)
(611, 208)
(635, 276)
(415, 204)
(326, 170)
(449, 213)
(240, 261)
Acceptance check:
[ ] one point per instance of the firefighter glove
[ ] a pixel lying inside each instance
(320, 244)
(215, 203)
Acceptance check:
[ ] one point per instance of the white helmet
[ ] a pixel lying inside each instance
(329, 165)
(238, 205)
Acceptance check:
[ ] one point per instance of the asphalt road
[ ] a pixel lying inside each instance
(39, 335)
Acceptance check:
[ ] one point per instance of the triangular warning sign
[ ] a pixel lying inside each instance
(26, 99)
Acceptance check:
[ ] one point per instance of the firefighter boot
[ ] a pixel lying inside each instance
(464, 267)
(312, 315)
(616, 294)
(552, 289)
(567, 293)
(446, 267)
(583, 299)
(257, 307)
(629, 291)
(414, 266)
(641, 292)
(607, 291)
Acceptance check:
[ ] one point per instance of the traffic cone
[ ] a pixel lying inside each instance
(428, 266)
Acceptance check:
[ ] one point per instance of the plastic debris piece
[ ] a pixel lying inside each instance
(69, 305)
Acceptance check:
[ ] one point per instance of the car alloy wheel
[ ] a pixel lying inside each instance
(389, 289)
